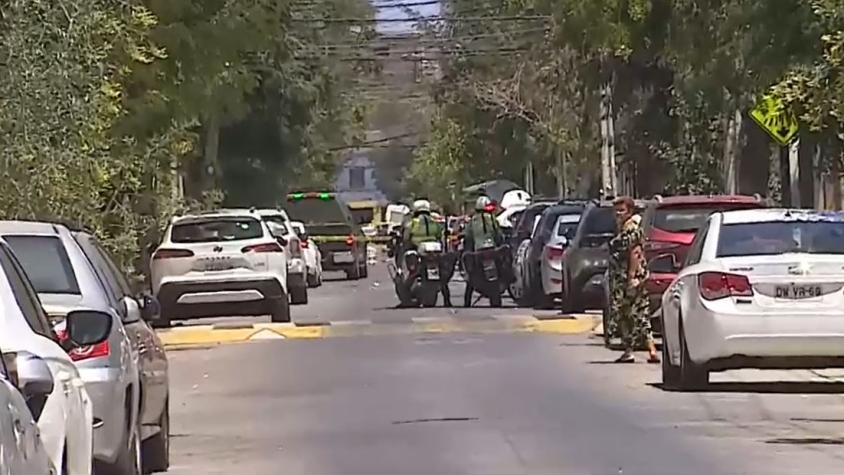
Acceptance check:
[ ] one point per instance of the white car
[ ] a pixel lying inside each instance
(760, 289)
(279, 223)
(219, 264)
(21, 449)
(66, 419)
(310, 253)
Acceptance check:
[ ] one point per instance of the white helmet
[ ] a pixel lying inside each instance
(482, 203)
(422, 206)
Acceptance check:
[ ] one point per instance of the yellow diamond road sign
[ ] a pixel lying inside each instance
(774, 118)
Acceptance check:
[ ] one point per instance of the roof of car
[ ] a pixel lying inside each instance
(780, 214)
(29, 227)
(565, 209)
(214, 214)
(704, 199)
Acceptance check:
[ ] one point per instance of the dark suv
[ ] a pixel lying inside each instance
(330, 223)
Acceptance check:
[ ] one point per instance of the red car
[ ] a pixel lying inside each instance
(670, 225)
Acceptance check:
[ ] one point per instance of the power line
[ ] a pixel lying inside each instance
(375, 142)
(428, 40)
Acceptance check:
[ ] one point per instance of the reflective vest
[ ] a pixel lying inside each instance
(484, 230)
(423, 228)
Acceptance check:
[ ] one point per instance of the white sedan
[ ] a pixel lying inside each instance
(759, 289)
(310, 254)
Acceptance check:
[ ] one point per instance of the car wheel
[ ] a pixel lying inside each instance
(495, 300)
(364, 271)
(280, 311)
(163, 320)
(313, 280)
(128, 460)
(692, 375)
(670, 373)
(353, 273)
(156, 450)
(299, 294)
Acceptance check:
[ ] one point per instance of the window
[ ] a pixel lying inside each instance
(109, 286)
(217, 229)
(696, 250)
(567, 225)
(599, 221)
(357, 178)
(780, 237)
(46, 263)
(25, 295)
(688, 219)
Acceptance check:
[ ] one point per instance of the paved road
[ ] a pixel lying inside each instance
(482, 404)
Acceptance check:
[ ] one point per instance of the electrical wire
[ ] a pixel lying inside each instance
(424, 19)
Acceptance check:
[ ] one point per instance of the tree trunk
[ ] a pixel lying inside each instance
(754, 160)
(806, 157)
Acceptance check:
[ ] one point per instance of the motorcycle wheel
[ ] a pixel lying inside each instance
(429, 296)
(495, 300)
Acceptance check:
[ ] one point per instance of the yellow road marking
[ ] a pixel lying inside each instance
(208, 335)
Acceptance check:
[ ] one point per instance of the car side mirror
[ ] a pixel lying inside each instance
(86, 328)
(150, 308)
(664, 264)
(35, 381)
(131, 310)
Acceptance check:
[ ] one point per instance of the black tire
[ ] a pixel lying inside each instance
(313, 281)
(128, 461)
(495, 300)
(364, 271)
(692, 375)
(280, 310)
(430, 295)
(156, 450)
(299, 295)
(670, 373)
(353, 273)
(571, 300)
(163, 320)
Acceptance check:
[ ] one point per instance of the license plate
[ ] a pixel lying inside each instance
(490, 271)
(433, 274)
(343, 257)
(217, 264)
(798, 292)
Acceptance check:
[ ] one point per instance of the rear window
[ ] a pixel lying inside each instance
(567, 225)
(46, 263)
(760, 239)
(217, 229)
(316, 211)
(363, 215)
(689, 219)
(599, 221)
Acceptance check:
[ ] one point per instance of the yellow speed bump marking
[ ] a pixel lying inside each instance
(562, 326)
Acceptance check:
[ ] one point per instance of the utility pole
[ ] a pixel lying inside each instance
(529, 178)
(794, 173)
(561, 179)
(606, 170)
(611, 141)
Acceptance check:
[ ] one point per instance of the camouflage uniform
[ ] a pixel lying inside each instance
(628, 307)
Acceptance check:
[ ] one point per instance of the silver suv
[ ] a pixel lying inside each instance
(66, 279)
(218, 264)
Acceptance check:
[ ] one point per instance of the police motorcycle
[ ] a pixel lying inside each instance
(417, 279)
(485, 276)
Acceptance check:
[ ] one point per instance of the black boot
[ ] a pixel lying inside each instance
(467, 297)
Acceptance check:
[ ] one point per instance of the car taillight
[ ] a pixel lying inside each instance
(85, 352)
(171, 254)
(304, 244)
(350, 240)
(266, 247)
(555, 252)
(719, 285)
(660, 245)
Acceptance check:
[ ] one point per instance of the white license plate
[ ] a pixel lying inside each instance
(433, 274)
(217, 265)
(343, 257)
(798, 292)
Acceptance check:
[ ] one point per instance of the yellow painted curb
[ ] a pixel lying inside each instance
(562, 326)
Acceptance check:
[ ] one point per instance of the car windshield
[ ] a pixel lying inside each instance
(316, 211)
(688, 219)
(778, 237)
(567, 225)
(46, 263)
(217, 229)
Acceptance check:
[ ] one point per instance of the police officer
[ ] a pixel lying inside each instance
(483, 232)
(423, 228)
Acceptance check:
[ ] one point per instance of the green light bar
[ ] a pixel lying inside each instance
(297, 196)
(325, 196)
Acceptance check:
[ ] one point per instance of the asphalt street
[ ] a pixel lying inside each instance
(471, 403)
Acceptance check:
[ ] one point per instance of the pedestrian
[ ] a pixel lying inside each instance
(629, 307)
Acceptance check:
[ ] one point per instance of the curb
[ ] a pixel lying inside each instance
(212, 335)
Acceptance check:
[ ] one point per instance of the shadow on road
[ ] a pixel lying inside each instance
(768, 387)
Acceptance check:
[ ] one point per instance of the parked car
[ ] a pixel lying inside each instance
(526, 223)
(140, 311)
(759, 289)
(670, 224)
(25, 384)
(586, 260)
(220, 264)
(66, 279)
(279, 224)
(310, 253)
(66, 420)
(331, 225)
(555, 229)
